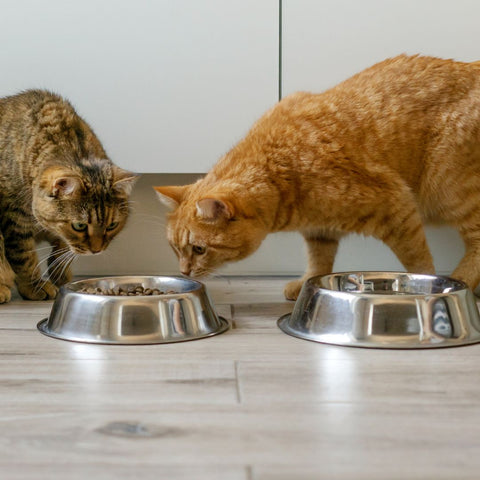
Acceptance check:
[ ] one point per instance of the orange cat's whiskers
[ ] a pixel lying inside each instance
(215, 275)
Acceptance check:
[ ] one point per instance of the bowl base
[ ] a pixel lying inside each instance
(349, 341)
(42, 327)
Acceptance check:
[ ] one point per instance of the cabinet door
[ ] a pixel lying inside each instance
(327, 41)
(168, 86)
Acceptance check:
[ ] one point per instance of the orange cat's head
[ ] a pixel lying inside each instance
(209, 229)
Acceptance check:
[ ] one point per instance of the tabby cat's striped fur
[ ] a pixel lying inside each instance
(56, 184)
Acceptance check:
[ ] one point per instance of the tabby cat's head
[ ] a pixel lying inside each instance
(208, 229)
(86, 205)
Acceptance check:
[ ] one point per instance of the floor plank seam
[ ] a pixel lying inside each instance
(232, 315)
(10, 329)
(237, 383)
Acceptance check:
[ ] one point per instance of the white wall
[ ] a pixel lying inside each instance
(327, 41)
(168, 85)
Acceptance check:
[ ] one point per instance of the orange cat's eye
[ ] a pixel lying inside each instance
(198, 250)
(79, 227)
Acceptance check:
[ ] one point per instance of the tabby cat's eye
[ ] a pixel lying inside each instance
(112, 226)
(79, 227)
(198, 250)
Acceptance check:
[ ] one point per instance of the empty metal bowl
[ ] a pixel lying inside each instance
(384, 310)
(183, 311)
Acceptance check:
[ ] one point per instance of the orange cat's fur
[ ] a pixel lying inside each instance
(379, 154)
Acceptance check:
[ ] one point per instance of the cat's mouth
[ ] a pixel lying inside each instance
(197, 274)
(84, 251)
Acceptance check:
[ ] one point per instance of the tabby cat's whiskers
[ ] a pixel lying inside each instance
(47, 259)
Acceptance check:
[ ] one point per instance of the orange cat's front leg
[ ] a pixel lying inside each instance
(321, 251)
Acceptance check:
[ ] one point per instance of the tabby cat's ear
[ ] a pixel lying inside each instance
(213, 209)
(60, 182)
(123, 180)
(171, 196)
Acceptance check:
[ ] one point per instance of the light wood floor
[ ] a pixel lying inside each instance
(250, 404)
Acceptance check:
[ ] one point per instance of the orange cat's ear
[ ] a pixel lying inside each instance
(214, 209)
(59, 182)
(171, 196)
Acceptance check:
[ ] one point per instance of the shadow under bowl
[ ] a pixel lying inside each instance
(384, 310)
(182, 312)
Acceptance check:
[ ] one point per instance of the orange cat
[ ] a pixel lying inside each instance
(379, 154)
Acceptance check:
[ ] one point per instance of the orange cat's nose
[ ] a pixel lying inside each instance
(185, 266)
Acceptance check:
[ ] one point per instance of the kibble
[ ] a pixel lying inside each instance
(131, 291)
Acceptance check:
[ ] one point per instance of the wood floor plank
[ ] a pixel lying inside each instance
(373, 439)
(350, 378)
(99, 470)
(249, 404)
(117, 382)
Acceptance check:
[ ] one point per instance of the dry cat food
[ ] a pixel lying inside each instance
(124, 291)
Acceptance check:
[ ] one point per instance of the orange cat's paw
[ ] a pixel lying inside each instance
(5, 294)
(292, 289)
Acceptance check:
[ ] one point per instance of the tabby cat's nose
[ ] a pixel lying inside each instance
(96, 247)
(96, 244)
(186, 272)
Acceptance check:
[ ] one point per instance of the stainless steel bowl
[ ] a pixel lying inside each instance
(185, 313)
(384, 310)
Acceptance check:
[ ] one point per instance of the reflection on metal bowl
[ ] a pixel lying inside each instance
(384, 310)
(185, 312)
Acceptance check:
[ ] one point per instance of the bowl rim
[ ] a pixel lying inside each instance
(324, 290)
(197, 285)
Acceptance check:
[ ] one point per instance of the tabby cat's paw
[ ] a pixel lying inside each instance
(39, 290)
(5, 294)
(292, 289)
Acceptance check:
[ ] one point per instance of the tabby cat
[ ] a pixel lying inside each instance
(56, 184)
(383, 152)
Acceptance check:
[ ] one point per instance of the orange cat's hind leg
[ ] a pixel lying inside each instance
(382, 205)
(468, 270)
(321, 255)
(402, 230)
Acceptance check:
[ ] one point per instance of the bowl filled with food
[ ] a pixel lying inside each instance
(384, 310)
(133, 310)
